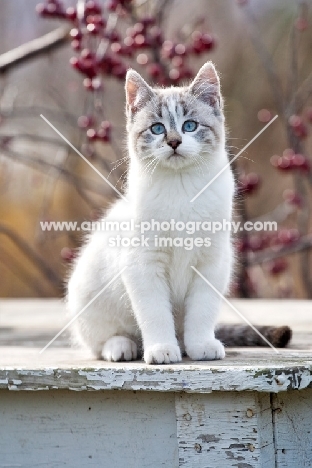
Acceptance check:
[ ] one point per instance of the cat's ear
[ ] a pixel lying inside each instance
(138, 92)
(206, 85)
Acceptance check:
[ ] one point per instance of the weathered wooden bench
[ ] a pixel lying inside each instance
(63, 409)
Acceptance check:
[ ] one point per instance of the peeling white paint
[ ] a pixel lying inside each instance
(16, 382)
(188, 377)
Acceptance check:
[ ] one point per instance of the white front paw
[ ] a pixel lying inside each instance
(207, 351)
(162, 354)
(119, 348)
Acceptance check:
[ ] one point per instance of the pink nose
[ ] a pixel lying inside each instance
(174, 143)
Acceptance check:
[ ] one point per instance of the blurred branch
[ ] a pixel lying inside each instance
(301, 95)
(32, 255)
(10, 262)
(268, 64)
(35, 111)
(40, 164)
(32, 137)
(305, 243)
(34, 48)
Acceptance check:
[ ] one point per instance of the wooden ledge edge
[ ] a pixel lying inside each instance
(191, 379)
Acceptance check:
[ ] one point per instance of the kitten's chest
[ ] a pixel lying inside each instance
(175, 204)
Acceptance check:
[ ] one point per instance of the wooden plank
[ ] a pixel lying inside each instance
(32, 323)
(292, 418)
(26, 369)
(89, 429)
(225, 430)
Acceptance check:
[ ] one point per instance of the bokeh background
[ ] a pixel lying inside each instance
(73, 74)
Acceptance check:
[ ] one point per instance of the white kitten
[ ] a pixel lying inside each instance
(176, 143)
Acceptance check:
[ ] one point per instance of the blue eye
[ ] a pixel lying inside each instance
(189, 126)
(158, 128)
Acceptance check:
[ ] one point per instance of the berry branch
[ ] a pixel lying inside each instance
(295, 160)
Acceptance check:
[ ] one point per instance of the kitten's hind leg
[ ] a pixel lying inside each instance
(119, 348)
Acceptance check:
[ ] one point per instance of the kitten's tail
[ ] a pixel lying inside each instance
(243, 335)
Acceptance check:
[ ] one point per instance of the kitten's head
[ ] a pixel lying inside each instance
(175, 127)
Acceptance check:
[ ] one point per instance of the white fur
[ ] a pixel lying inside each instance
(159, 300)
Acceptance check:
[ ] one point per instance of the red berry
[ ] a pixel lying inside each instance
(142, 59)
(76, 34)
(277, 266)
(255, 243)
(76, 45)
(154, 70)
(197, 48)
(93, 84)
(74, 62)
(71, 13)
(168, 49)
(55, 10)
(208, 41)
(298, 126)
(242, 244)
(138, 28)
(177, 62)
(174, 74)
(92, 8)
(112, 5)
(52, 10)
(140, 41)
(68, 254)
(86, 63)
(87, 54)
(91, 134)
(293, 198)
(103, 135)
(180, 49)
(148, 21)
(116, 47)
(95, 19)
(282, 163)
(156, 35)
(40, 8)
(248, 183)
(128, 41)
(301, 24)
(288, 236)
(85, 121)
(94, 28)
(106, 125)
(113, 36)
(196, 35)
(288, 153)
(264, 115)
(299, 161)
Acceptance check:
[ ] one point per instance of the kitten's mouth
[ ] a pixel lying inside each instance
(175, 154)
